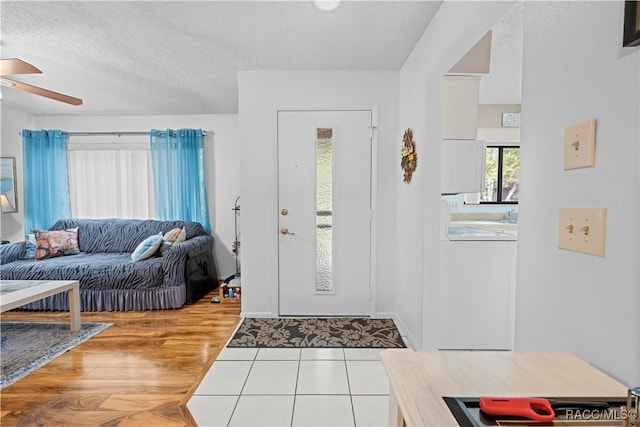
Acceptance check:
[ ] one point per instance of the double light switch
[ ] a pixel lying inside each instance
(582, 230)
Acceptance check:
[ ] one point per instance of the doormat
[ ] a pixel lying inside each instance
(29, 346)
(325, 332)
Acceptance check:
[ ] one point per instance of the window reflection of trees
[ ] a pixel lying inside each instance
(502, 172)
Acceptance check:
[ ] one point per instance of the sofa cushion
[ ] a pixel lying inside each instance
(147, 248)
(50, 244)
(117, 235)
(175, 235)
(94, 271)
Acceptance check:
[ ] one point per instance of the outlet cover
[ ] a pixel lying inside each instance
(582, 230)
(579, 145)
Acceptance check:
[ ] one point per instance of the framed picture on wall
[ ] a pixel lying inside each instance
(8, 193)
(631, 36)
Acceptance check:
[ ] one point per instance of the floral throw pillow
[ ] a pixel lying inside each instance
(50, 244)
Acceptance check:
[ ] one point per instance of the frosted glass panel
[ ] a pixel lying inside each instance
(323, 260)
(324, 196)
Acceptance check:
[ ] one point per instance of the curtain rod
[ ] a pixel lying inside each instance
(204, 133)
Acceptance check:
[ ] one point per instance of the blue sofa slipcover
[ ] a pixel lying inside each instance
(109, 280)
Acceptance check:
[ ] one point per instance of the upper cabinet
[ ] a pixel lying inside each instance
(460, 107)
(463, 166)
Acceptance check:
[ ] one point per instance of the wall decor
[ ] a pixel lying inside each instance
(631, 35)
(511, 120)
(409, 155)
(8, 196)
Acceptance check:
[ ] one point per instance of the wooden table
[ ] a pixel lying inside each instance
(16, 293)
(418, 381)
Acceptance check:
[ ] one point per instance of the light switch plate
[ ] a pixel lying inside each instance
(582, 230)
(580, 145)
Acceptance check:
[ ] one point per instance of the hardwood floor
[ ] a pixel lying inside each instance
(138, 372)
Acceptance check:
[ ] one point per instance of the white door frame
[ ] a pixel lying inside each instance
(374, 187)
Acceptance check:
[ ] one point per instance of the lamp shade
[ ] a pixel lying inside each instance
(5, 204)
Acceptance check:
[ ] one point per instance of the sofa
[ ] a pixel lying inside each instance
(178, 273)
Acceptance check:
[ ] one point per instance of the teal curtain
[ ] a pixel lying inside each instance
(179, 181)
(46, 178)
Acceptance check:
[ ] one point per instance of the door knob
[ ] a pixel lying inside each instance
(284, 211)
(285, 230)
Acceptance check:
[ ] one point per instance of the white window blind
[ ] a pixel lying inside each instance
(110, 181)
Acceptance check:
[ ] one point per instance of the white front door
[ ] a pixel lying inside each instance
(324, 179)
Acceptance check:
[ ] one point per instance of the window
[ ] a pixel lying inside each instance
(324, 203)
(502, 181)
(110, 180)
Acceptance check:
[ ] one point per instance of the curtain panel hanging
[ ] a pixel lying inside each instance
(111, 183)
(179, 181)
(46, 178)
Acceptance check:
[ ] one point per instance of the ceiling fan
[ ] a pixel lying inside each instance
(17, 66)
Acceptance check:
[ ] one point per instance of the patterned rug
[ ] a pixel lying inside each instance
(26, 347)
(348, 332)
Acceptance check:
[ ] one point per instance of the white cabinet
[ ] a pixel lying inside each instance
(478, 295)
(460, 107)
(463, 166)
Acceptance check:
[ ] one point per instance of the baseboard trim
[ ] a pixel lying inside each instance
(404, 331)
(257, 314)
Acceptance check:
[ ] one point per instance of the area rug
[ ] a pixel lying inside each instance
(28, 346)
(325, 332)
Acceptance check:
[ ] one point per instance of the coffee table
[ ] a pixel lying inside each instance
(16, 293)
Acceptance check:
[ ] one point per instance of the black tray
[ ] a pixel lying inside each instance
(467, 413)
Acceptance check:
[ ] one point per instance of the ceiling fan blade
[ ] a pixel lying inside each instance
(16, 66)
(44, 92)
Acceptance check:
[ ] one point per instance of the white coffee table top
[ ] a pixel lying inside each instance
(14, 293)
(8, 286)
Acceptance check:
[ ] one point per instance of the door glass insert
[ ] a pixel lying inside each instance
(324, 209)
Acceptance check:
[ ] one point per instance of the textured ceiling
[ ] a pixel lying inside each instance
(182, 57)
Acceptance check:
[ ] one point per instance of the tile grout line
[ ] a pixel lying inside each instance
(346, 368)
(242, 389)
(295, 390)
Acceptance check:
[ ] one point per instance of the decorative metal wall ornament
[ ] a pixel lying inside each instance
(409, 155)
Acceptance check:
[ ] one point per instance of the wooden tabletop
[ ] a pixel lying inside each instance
(419, 380)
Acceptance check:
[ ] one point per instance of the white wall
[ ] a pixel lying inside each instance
(455, 28)
(12, 224)
(222, 157)
(574, 70)
(260, 93)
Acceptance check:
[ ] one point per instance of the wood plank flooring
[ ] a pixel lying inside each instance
(138, 372)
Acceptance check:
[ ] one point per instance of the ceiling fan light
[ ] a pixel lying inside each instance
(326, 5)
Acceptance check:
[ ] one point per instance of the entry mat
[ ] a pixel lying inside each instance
(317, 332)
(605, 411)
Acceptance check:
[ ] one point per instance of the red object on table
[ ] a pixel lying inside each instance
(529, 407)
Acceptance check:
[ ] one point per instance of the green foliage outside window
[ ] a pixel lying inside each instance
(502, 175)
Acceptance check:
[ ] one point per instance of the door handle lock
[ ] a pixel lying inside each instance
(285, 230)
(284, 211)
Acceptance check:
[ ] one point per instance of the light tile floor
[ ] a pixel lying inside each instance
(293, 387)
